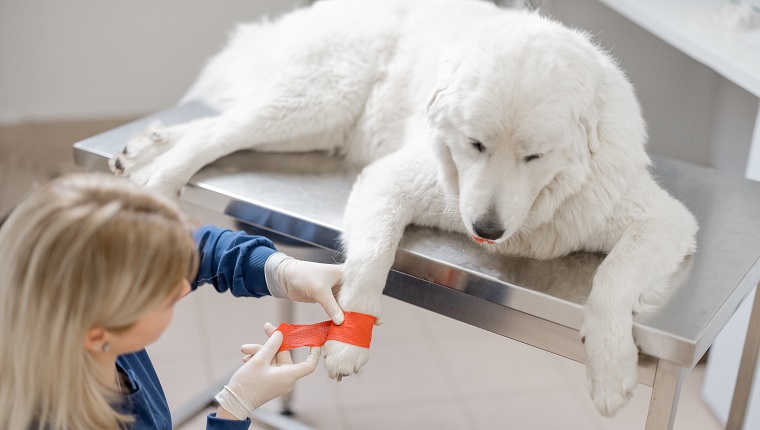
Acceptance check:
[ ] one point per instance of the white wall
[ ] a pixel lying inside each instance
(90, 59)
(693, 113)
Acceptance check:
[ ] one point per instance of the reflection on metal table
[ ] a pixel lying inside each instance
(302, 196)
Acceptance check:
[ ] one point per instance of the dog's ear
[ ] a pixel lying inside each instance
(447, 66)
(436, 101)
(589, 127)
(589, 124)
(447, 172)
(432, 99)
(448, 175)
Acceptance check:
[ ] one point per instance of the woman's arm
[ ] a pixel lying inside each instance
(241, 263)
(232, 261)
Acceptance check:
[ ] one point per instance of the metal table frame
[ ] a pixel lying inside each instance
(301, 197)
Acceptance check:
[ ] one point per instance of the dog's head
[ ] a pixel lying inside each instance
(515, 120)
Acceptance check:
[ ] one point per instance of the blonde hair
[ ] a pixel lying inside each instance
(85, 250)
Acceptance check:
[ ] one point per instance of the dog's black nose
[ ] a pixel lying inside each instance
(488, 229)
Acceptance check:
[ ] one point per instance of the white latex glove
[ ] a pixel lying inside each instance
(265, 375)
(304, 281)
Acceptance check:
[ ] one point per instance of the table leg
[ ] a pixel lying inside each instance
(747, 368)
(287, 313)
(666, 392)
(753, 158)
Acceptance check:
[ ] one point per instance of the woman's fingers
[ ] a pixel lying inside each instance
(281, 357)
(249, 349)
(269, 349)
(299, 370)
(330, 305)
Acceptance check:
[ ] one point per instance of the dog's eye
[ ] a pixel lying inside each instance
(477, 145)
(531, 157)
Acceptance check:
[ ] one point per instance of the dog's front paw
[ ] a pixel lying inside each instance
(139, 161)
(611, 369)
(342, 359)
(611, 391)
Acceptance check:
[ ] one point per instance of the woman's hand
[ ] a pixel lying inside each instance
(265, 375)
(307, 282)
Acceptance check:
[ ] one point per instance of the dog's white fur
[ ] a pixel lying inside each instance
(448, 103)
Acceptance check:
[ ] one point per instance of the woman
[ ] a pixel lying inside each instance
(92, 267)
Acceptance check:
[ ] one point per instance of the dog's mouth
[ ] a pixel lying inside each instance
(481, 240)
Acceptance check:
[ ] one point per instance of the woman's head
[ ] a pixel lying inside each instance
(85, 251)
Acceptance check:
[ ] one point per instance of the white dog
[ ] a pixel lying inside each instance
(503, 125)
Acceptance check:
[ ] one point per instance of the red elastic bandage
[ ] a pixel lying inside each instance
(355, 330)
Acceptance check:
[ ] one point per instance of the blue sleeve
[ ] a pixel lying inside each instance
(232, 261)
(214, 423)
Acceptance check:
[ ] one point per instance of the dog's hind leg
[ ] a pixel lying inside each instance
(299, 112)
(650, 250)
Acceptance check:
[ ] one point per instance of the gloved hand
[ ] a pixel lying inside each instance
(304, 281)
(265, 375)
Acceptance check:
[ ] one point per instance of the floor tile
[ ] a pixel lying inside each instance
(401, 322)
(320, 421)
(196, 423)
(315, 394)
(448, 330)
(692, 411)
(230, 322)
(572, 372)
(490, 364)
(402, 373)
(184, 380)
(182, 337)
(439, 415)
(539, 410)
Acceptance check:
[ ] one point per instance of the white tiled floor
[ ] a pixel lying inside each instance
(426, 371)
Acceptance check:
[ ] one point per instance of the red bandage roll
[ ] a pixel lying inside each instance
(355, 330)
(297, 335)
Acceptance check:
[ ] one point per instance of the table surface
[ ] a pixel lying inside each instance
(303, 196)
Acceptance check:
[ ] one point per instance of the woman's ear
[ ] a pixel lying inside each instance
(95, 339)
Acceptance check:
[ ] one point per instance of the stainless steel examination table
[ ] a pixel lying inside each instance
(301, 197)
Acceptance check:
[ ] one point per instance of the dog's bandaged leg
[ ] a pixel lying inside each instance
(356, 330)
(388, 196)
